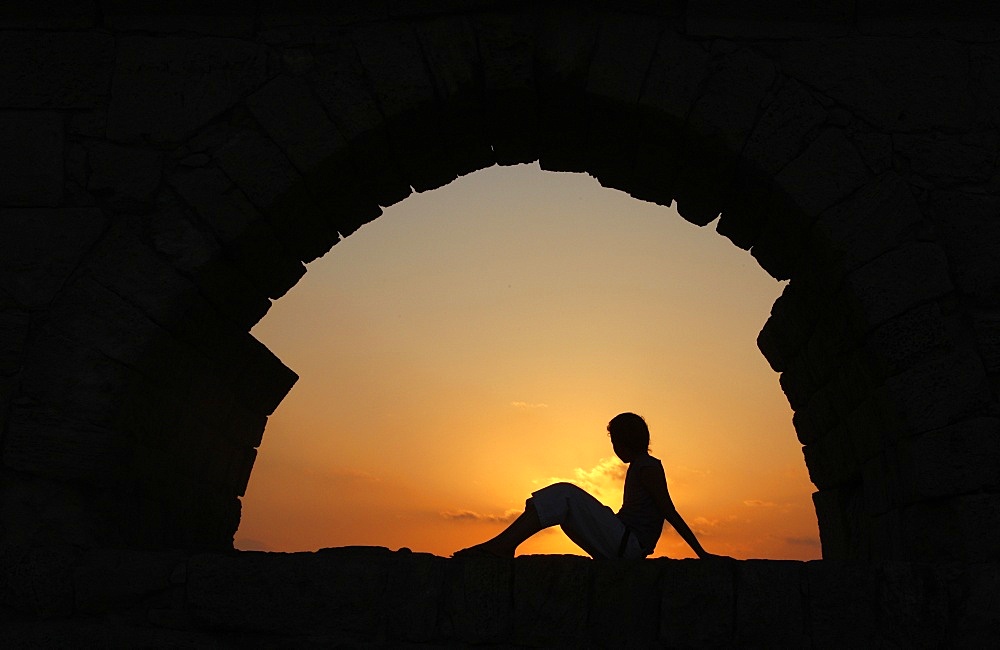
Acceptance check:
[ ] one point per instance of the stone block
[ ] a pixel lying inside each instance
(31, 162)
(896, 84)
(563, 114)
(623, 47)
(959, 459)
(106, 579)
(337, 79)
(947, 159)
(698, 604)
(626, 602)
(815, 419)
(55, 69)
(960, 529)
(49, 14)
(37, 582)
(831, 460)
(880, 216)
(797, 383)
(219, 17)
(198, 255)
(63, 448)
(879, 479)
(834, 533)
(452, 58)
(914, 608)
(778, 136)
(393, 62)
(264, 380)
(868, 427)
(729, 105)
(168, 87)
(297, 593)
(285, 107)
(775, 20)
(909, 338)
(963, 20)
(14, 325)
(478, 605)
(780, 243)
(673, 84)
(507, 48)
(979, 621)
(123, 176)
(99, 319)
(987, 336)
(829, 170)
(243, 232)
(260, 169)
(770, 604)
(550, 605)
(786, 329)
(969, 231)
(898, 281)
(238, 473)
(315, 146)
(307, 22)
(413, 597)
(984, 68)
(42, 247)
(939, 392)
(243, 426)
(842, 603)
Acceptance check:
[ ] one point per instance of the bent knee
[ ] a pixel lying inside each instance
(564, 488)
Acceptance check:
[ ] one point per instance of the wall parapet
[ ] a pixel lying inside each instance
(373, 596)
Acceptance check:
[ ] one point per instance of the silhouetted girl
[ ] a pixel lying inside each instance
(632, 533)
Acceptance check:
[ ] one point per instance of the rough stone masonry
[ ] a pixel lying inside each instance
(167, 168)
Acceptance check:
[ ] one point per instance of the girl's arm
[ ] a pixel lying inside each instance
(653, 479)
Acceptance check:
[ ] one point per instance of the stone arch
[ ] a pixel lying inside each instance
(217, 164)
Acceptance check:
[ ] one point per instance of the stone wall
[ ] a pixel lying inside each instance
(371, 597)
(167, 169)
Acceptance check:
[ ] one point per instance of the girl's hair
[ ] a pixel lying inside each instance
(629, 430)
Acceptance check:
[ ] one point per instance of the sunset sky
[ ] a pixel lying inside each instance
(470, 346)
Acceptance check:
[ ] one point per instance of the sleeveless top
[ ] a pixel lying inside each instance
(639, 511)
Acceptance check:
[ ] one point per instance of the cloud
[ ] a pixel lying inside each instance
(802, 541)
(757, 503)
(608, 474)
(529, 405)
(469, 515)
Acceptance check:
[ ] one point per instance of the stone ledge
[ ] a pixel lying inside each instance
(376, 597)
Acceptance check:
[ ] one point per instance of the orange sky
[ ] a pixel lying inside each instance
(471, 344)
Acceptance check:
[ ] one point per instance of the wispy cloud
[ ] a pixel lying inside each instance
(469, 515)
(757, 503)
(529, 405)
(802, 541)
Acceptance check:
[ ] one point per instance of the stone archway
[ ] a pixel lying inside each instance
(182, 178)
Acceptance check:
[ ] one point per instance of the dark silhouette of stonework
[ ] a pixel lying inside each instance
(166, 168)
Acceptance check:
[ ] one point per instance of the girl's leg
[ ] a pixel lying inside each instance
(504, 544)
(585, 520)
(593, 526)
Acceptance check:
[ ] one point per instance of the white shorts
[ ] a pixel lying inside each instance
(593, 526)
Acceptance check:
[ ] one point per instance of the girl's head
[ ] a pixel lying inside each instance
(629, 434)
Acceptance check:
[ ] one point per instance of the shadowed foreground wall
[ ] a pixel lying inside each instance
(371, 597)
(167, 171)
